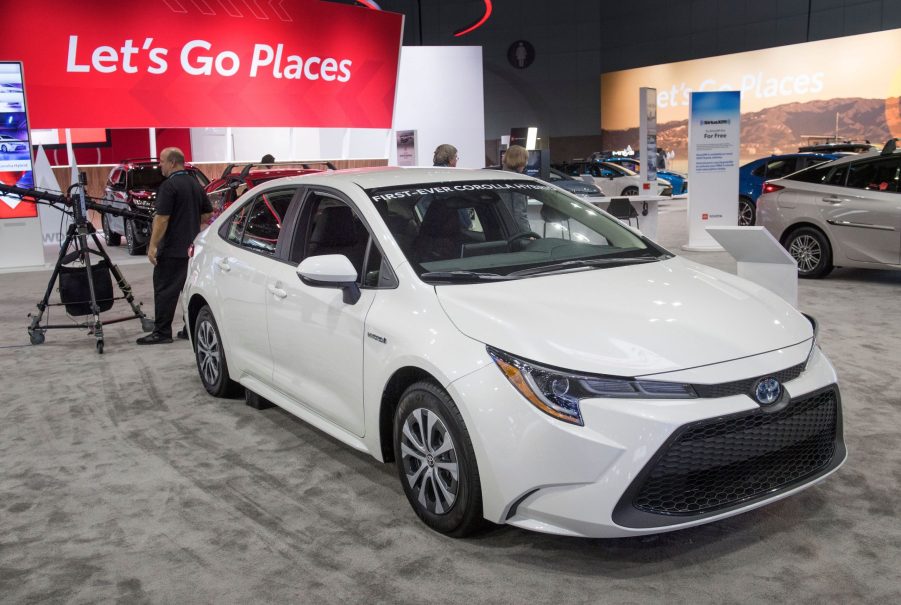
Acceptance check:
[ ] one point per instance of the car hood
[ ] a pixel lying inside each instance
(628, 321)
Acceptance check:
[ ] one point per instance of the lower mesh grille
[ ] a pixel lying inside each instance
(716, 464)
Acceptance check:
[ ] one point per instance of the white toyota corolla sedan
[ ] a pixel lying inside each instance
(563, 374)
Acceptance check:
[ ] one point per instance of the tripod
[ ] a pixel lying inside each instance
(77, 237)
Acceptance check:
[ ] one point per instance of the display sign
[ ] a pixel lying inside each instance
(815, 91)
(714, 129)
(15, 146)
(406, 147)
(182, 64)
(647, 172)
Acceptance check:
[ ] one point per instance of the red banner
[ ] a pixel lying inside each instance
(184, 63)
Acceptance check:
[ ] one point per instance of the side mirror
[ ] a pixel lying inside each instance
(331, 271)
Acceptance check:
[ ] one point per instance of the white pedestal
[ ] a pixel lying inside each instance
(761, 259)
(20, 243)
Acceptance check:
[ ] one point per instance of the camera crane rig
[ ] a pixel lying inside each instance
(76, 204)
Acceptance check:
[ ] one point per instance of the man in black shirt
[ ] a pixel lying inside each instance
(181, 208)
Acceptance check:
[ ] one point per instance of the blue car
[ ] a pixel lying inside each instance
(752, 175)
(679, 182)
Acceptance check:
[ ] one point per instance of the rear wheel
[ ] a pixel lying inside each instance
(811, 249)
(747, 213)
(210, 356)
(630, 191)
(112, 239)
(436, 462)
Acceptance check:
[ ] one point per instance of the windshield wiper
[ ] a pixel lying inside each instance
(462, 276)
(589, 262)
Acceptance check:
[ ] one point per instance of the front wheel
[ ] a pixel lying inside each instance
(111, 239)
(436, 462)
(131, 239)
(630, 191)
(747, 214)
(210, 356)
(810, 248)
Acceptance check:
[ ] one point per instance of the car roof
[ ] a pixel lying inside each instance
(856, 157)
(389, 176)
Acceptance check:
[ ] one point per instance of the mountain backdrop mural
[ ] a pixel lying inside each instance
(782, 129)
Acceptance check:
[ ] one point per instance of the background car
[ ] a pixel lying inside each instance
(564, 181)
(612, 179)
(678, 182)
(236, 179)
(844, 213)
(132, 185)
(539, 379)
(9, 143)
(752, 175)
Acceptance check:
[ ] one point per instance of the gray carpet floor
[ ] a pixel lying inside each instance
(122, 481)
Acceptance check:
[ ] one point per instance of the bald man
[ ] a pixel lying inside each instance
(181, 208)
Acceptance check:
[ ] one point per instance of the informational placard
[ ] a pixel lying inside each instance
(647, 136)
(714, 129)
(406, 147)
(15, 146)
(179, 63)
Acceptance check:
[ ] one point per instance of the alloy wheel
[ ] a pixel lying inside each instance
(209, 357)
(745, 213)
(807, 251)
(430, 461)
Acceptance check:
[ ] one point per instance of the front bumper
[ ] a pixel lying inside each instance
(545, 475)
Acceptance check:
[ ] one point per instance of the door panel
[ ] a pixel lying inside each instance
(315, 337)
(317, 346)
(241, 274)
(242, 294)
(865, 215)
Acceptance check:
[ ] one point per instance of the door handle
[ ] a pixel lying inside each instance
(277, 292)
(223, 265)
(832, 199)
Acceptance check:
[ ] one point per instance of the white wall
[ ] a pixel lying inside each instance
(439, 94)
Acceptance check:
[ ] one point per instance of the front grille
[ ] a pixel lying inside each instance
(744, 387)
(715, 464)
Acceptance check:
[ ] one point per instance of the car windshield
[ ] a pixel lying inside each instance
(503, 229)
(145, 177)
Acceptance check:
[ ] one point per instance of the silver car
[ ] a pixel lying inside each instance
(844, 213)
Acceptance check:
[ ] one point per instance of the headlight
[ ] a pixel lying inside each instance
(558, 393)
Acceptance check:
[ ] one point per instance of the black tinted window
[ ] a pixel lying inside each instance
(145, 177)
(875, 175)
(821, 173)
(780, 168)
(760, 170)
(264, 222)
(332, 227)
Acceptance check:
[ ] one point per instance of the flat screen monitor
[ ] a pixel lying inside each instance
(15, 145)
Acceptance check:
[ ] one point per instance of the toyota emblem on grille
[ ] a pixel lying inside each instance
(768, 391)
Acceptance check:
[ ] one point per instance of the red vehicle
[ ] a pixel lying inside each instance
(132, 185)
(238, 178)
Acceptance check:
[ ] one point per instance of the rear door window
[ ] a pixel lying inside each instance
(881, 174)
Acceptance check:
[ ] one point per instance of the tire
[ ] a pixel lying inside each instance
(630, 191)
(425, 465)
(810, 248)
(747, 212)
(210, 357)
(111, 239)
(3, 148)
(131, 239)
